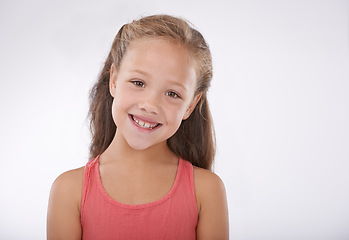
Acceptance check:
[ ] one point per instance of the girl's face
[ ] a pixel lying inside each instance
(153, 92)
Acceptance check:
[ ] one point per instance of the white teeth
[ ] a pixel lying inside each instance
(146, 125)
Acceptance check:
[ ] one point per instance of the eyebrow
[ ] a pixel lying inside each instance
(148, 75)
(139, 71)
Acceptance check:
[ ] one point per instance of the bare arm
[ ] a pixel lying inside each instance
(212, 204)
(63, 215)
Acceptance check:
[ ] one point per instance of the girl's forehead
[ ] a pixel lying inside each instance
(145, 43)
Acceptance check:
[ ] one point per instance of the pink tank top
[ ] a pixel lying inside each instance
(174, 216)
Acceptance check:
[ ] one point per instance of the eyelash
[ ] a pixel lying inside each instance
(171, 94)
(176, 95)
(138, 83)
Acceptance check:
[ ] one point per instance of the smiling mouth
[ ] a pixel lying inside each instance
(143, 124)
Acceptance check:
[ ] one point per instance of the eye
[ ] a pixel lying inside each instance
(138, 83)
(172, 94)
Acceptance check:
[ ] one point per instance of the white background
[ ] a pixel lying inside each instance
(279, 99)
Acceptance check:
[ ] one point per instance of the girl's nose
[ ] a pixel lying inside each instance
(149, 104)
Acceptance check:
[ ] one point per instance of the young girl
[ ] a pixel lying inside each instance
(152, 144)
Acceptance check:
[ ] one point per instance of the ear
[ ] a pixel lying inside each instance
(192, 106)
(112, 80)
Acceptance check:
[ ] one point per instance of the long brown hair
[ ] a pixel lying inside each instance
(195, 139)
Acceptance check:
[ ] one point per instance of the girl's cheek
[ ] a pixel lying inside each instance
(177, 112)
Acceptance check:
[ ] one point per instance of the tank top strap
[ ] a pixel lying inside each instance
(89, 168)
(187, 179)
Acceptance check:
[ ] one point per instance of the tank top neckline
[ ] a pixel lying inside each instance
(142, 205)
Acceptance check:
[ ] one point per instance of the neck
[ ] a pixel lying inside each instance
(120, 151)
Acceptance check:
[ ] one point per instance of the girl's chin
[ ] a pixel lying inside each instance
(138, 145)
(141, 146)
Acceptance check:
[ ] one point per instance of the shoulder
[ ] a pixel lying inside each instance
(63, 214)
(206, 176)
(68, 181)
(207, 185)
(68, 186)
(213, 220)
(71, 175)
